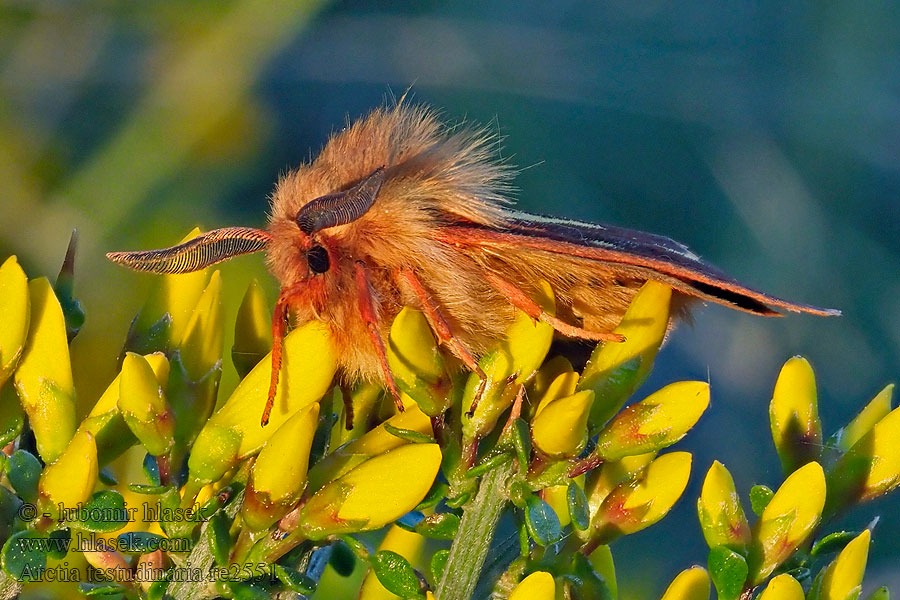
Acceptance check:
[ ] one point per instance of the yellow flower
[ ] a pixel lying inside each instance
(70, 480)
(844, 576)
(144, 407)
(537, 586)
(659, 421)
(690, 584)
(721, 515)
(791, 515)
(560, 429)
(252, 330)
(616, 369)
(876, 410)
(200, 348)
(782, 587)
(417, 363)
(43, 378)
(15, 313)
(794, 415)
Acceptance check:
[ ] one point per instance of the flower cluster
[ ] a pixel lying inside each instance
(229, 508)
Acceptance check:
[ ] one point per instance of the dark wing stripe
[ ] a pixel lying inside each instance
(622, 246)
(197, 253)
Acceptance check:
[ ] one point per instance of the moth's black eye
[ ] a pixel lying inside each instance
(317, 257)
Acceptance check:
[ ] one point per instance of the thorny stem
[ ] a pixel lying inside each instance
(473, 539)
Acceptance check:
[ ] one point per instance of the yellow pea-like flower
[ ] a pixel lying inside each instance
(70, 480)
(144, 407)
(375, 493)
(172, 299)
(656, 422)
(307, 369)
(376, 441)
(563, 385)
(200, 348)
(417, 363)
(548, 373)
(616, 369)
(794, 415)
(791, 515)
(719, 507)
(631, 507)
(863, 423)
(690, 584)
(252, 330)
(560, 429)
(407, 544)
(15, 313)
(278, 476)
(783, 587)
(603, 480)
(845, 574)
(43, 378)
(527, 342)
(537, 586)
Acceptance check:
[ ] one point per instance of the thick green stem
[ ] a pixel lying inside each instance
(473, 539)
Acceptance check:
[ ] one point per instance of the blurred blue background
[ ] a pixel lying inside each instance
(766, 135)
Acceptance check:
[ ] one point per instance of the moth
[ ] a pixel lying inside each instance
(399, 210)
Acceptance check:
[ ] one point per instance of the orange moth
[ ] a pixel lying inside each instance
(399, 210)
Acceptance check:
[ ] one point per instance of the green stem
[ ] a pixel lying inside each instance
(473, 539)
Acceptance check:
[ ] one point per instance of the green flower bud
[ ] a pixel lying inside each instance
(43, 378)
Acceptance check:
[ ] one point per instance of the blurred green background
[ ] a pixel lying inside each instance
(765, 135)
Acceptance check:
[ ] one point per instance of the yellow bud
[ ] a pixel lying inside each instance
(616, 369)
(527, 342)
(213, 453)
(537, 586)
(721, 515)
(634, 506)
(109, 400)
(876, 410)
(794, 415)
(407, 544)
(252, 330)
(881, 445)
(377, 441)
(43, 378)
(562, 386)
(280, 468)
(375, 493)
(308, 366)
(659, 421)
(690, 584)
(175, 296)
(845, 574)
(15, 313)
(547, 374)
(782, 587)
(143, 405)
(788, 519)
(602, 481)
(71, 478)
(417, 363)
(556, 497)
(200, 347)
(560, 429)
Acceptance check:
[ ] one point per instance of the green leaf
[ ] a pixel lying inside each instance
(728, 571)
(357, 547)
(158, 588)
(522, 442)
(579, 511)
(832, 542)
(760, 496)
(23, 555)
(542, 522)
(486, 465)
(151, 469)
(106, 503)
(149, 490)
(100, 589)
(434, 497)
(437, 564)
(439, 526)
(294, 580)
(24, 472)
(342, 559)
(58, 543)
(591, 584)
(219, 525)
(396, 574)
(409, 435)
